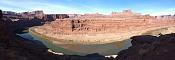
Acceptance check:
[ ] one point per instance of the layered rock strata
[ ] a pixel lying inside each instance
(99, 30)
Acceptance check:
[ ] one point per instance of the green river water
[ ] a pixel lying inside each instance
(78, 49)
(103, 49)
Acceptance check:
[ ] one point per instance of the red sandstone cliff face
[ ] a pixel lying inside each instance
(39, 14)
(106, 25)
(98, 23)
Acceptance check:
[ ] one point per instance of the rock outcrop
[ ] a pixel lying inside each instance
(148, 47)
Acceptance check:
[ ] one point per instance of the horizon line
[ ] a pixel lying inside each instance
(87, 13)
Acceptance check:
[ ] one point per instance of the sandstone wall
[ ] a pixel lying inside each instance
(102, 25)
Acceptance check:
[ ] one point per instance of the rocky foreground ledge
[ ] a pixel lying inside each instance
(148, 47)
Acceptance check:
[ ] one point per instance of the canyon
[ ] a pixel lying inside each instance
(100, 29)
(144, 47)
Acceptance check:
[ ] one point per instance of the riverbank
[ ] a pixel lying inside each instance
(162, 31)
(90, 39)
(84, 49)
(56, 47)
(81, 49)
(78, 39)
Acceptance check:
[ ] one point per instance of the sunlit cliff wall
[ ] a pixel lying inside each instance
(97, 23)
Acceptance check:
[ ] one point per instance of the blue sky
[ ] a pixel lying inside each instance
(153, 7)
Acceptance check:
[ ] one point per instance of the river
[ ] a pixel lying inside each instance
(78, 49)
(102, 49)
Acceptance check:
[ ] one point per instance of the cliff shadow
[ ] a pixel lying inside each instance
(23, 25)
